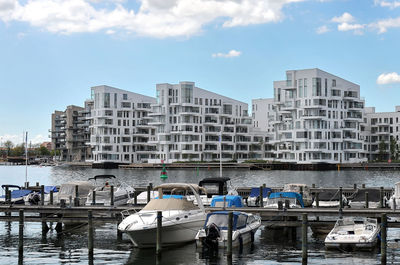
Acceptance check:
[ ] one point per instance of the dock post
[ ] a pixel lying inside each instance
(76, 199)
(148, 193)
(261, 197)
(280, 205)
(119, 233)
(112, 195)
(159, 236)
(394, 204)
(301, 191)
(93, 197)
(51, 197)
(313, 186)
(90, 233)
(341, 197)
(304, 255)
(355, 186)
(230, 228)
(366, 200)
(381, 194)
(363, 185)
(287, 204)
(37, 184)
(317, 199)
(8, 198)
(45, 228)
(21, 237)
(224, 203)
(383, 238)
(135, 198)
(42, 195)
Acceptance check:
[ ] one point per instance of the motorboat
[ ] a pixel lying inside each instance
(142, 197)
(358, 199)
(293, 199)
(227, 201)
(122, 191)
(34, 197)
(17, 194)
(254, 197)
(70, 191)
(181, 218)
(214, 187)
(303, 189)
(395, 198)
(329, 199)
(214, 233)
(353, 233)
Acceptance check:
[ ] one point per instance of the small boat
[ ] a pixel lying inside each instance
(254, 197)
(228, 201)
(122, 192)
(294, 200)
(214, 187)
(352, 233)
(329, 199)
(181, 219)
(214, 234)
(358, 199)
(300, 188)
(17, 194)
(68, 193)
(395, 198)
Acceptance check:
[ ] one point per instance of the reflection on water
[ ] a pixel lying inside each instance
(271, 246)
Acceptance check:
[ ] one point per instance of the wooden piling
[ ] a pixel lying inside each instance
(301, 191)
(21, 233)
(366, 200)
(363, 186)
(340, 197)
(261, 197)
(76, 199)
(148, 193)
(37, 184)
(280, 205)
(112, 195)
(394, 204)
(317, 199)
(7, 197)
(51, 197)
(381, 195)
(42, 195)
(135, 194)
(90, 233)
(287, 204)
(230, 230)
(383, 238)
(304, 256)
(119, 233)
(313, 186)
(159, 233)
(355, 186)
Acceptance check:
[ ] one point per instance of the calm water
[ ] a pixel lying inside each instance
(271, 246)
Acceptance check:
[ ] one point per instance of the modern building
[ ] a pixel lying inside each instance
(317, 118)
(193, 124)
(262, 113)
(119, 126)
(381, 134)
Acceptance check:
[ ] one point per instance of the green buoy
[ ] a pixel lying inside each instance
(163, 172)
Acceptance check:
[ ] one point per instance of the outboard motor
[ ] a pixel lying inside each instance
(212, 235)
(34, 198)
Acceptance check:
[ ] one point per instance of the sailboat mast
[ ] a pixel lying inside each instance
(26, 157)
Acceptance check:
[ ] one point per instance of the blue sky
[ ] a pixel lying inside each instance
(53, 51)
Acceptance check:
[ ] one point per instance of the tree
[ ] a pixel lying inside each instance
(382, 150)
(393, 148)
(43, 151)
(9, 145)
(19, 150)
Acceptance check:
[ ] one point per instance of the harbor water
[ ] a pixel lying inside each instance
(271, 246)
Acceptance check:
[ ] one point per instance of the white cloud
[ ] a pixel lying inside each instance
(388, 78)
(156, 18)
(390, 4)
(345, 18)
(19, 138)
(383, 25)
(230, 54)
(323, 29)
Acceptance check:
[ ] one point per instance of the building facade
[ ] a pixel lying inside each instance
(317, 118)
(262, 113)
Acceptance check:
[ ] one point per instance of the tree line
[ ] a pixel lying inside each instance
(10, 149)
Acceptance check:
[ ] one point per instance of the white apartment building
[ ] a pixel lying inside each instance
(262, 113)
(190, 122)
(317, 118)
(119, 127)
(379, 130)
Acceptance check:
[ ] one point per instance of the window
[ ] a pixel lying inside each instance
(333, 83)
(106, 100)
(289, 79)
(316, 83)
(187, 95)
(305, 87)
(300, 88)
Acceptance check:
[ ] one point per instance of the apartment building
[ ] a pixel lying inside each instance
(119, 126)
(67, 134)
(381, 134)
(317, 118)
(193, 124)
(262, 113)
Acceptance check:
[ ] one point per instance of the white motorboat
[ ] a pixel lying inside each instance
(214, 234)
(294, 200)
(254, 197)
(350, 233)
(329, 199)
(395, 198)
(17, 194)
(181, 219)
(122, 191)
(302, 189)
(69, 192)
(213, 187)
(358, 200)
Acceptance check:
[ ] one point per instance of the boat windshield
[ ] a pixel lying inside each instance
(170, 204)
(220, 220)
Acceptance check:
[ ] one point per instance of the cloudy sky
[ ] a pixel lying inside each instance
(53, 51)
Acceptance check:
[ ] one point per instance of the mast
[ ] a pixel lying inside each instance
(220, 153)
(26, 156)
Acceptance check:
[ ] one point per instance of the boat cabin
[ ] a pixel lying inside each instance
(215, 186)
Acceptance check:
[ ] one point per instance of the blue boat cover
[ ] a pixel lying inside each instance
(231, 200)
(47, 189)
(171, 197)
(18, 194)
(225, 214)
(288, 195)
(255, 192)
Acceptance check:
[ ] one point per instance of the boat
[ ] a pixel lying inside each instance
(214, 233)
(353, 233)
(67, 192)
(214, 187)
(394, 200)
(254, 197)
(34, 197)
(181, 219)
(294, 200)
(358, 199)
(17, 194)
(302, 189)
(228, 201)
(122, 191)
(329, 199)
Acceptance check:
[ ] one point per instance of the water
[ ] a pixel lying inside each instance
(270, 247)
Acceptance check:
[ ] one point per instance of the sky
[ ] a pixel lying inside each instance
(53, 51)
